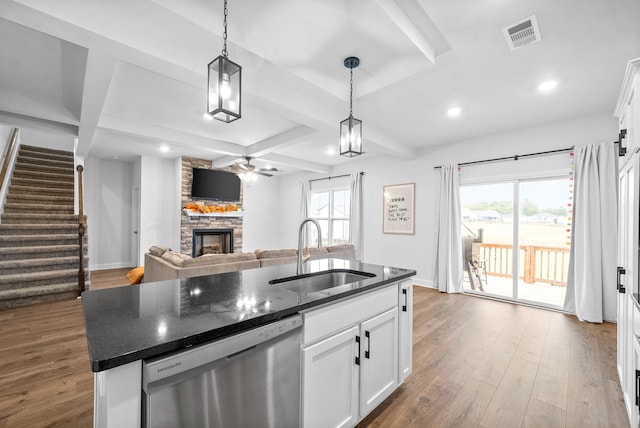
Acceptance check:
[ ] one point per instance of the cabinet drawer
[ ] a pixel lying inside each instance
(321, 322)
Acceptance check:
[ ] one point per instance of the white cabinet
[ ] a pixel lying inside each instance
(405, 325)
(628, 113)
(379, 359)
(117, 397)
(628, 109)
(331, 381)
(351, 357)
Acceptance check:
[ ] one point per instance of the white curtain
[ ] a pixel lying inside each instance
(356, 216)
(449, 243)
(591, 282)
(305, 194)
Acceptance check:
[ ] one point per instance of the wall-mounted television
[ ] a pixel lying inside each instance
(215, 184)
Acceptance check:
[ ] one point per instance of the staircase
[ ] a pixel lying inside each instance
(39, 231)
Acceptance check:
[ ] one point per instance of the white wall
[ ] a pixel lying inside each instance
(262, 213)
(107, 196)
(418, 251)
(5, 134)
(49, 140)
(159, 203)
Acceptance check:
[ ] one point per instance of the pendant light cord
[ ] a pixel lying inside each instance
(351, 93)
(224, 34)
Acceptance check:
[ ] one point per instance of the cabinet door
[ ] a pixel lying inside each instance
(379, 362)
(631, 119)
(623, 201)
(405, 322)
(635, 414)
(330, 379)
(627, 259)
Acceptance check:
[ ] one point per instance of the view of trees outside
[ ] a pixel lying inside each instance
(331, 208)
(544, 212)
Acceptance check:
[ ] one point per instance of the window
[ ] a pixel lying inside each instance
(331, 207)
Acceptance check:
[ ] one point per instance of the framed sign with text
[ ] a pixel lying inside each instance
(399, 208)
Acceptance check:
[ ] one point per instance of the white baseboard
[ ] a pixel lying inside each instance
(428, 283)
(118, 265)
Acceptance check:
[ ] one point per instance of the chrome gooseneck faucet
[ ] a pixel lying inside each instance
(305, 221)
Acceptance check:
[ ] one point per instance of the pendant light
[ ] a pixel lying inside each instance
(224, 84)
(351, 128)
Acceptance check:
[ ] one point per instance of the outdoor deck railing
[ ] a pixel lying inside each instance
(537, 264)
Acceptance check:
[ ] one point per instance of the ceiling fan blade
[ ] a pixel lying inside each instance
(243, 166)
(269, 169)
(263, 173)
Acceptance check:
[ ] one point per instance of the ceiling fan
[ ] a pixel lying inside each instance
(243, 168)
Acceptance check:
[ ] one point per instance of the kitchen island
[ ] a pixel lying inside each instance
(127, 325)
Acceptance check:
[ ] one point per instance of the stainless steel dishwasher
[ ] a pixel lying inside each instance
(251, 379)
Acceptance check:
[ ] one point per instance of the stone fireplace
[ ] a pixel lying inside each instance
(190, 224)
(212, 241)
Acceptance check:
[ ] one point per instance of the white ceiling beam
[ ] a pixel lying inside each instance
(282, 160)
(404, 23)
(280, 141)
(150, 132)
(224, 161)
(99, 73)
(19, 120)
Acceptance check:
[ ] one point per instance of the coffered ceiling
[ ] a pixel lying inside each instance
(128, 76)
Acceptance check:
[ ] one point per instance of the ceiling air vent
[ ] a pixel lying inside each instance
(522, 32)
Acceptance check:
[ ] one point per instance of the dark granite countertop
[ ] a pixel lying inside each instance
(130, 323)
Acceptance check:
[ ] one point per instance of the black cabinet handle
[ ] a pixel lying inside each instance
(367, 353)
(406, 302)
(358, 357)
(638, 388)
(621, 271)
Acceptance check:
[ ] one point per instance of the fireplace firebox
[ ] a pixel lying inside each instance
(212, 241)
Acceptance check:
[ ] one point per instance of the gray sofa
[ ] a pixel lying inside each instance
(162, 263)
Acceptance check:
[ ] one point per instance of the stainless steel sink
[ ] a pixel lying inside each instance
(309, 283)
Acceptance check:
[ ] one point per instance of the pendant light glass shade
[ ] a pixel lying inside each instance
(351, 137)
(351, 128)
(225, 85)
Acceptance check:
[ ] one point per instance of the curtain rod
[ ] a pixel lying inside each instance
(514, 157)
(335, 176)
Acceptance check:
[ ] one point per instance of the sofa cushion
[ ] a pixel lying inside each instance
(341, 248)
(175, 258)
(217, 259)
(314, 250)
(158, 250)
(274, 254)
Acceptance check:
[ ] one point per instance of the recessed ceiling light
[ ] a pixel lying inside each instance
(164, 148)
(207, 116)
(454, 111)
(331, 151)
(547, 86)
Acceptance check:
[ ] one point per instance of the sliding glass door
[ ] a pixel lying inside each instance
(515, 239)
(487, 230)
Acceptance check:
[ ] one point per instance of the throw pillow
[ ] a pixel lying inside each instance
(135, 275)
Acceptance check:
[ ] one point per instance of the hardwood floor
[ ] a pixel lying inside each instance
(483, 363)
(476, 362)
(109, 278)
